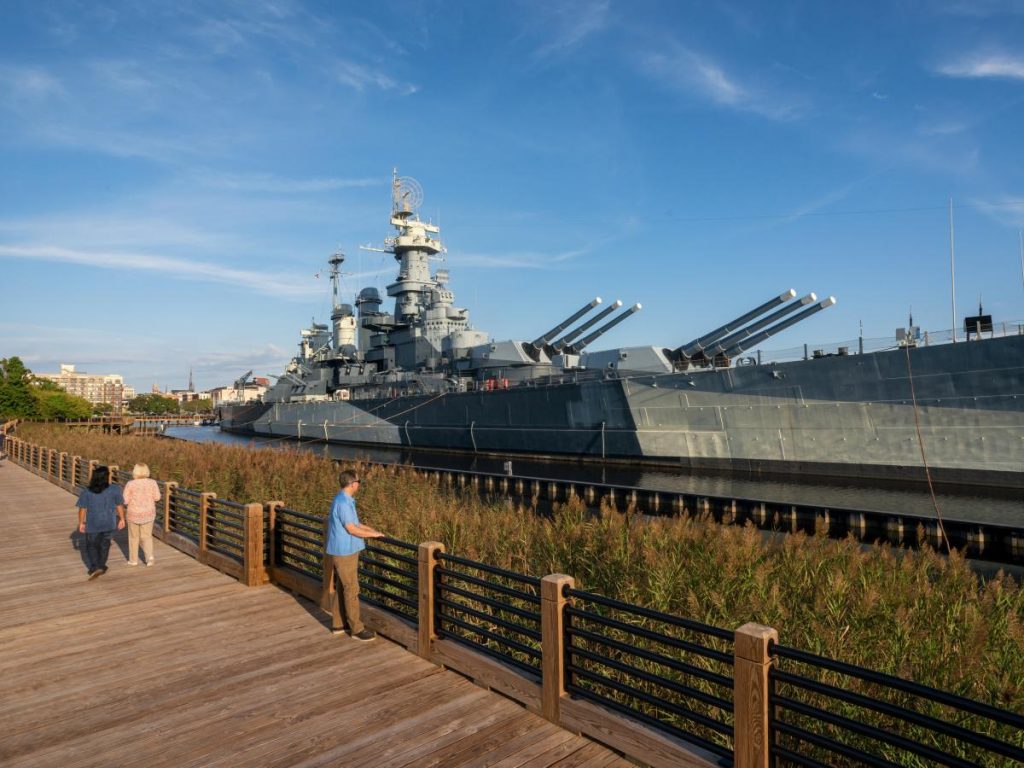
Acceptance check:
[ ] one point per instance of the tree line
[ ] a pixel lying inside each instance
(25, 396)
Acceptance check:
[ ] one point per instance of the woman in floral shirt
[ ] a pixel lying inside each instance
(140, 497)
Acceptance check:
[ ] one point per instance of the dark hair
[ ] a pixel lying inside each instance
(346, 477)
(100, 479)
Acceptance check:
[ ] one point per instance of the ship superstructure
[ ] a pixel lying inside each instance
(422, 376)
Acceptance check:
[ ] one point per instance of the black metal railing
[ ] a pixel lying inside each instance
(670, 673)
(184, 513)
(389, 576)
(299, 542)
(67, 471)
(225, 528)
(496, 612)
(80, 473)
(818, 710)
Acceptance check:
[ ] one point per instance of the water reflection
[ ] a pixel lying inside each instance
(972, 504)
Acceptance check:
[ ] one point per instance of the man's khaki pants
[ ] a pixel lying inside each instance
(346, 569)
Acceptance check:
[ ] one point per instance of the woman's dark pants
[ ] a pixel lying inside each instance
(97, 547)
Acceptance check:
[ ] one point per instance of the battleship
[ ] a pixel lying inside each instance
(421, 377)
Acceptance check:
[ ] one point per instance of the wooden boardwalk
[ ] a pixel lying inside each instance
(179, 665)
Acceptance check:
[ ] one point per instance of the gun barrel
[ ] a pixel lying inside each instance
(540, 341)
(767, 333)
(563, 342)
(579, 345)
(732, 339)
(688, 350)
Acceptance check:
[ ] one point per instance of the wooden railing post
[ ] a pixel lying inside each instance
(204, 513)
(169, 488)
(92, 466)
(252, 557)
(272, 507)
(427, 633)
(61, 465)
(552, 642)
(113, 473)
(750, 695)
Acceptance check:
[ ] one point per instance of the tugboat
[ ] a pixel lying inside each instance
(420, 376)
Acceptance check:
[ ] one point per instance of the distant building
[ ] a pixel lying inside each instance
(96, 388)
(253, 390)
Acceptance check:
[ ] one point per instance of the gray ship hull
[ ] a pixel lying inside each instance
(842, 416)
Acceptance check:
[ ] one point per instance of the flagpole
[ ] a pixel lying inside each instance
(952, 269)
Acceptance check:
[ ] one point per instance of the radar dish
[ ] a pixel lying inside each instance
(408, 194)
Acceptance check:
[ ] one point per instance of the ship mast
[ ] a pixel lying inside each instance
(336, 260)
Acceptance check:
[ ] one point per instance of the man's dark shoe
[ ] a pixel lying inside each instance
(94, 574)
(365, 636)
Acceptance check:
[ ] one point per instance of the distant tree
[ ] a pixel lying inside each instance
(58, 404)
(101, 409)
(153, 403)
(197, 406)
(16, 400)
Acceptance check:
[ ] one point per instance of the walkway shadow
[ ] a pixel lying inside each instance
(120, 539)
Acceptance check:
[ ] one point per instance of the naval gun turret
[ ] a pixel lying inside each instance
(684, 353)
(542, 342)
(752, 341)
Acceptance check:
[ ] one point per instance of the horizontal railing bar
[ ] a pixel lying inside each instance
(508, 625)
(395, 543)
(446, 574)
(376, 577)
(944, 727)
(794, 757)
(824, 742)
(366, 560)
(942, 697)
(675, 709)
(389, 595)
(667, 618)
(412, 614)
(530, 670)
(650, 634)
(284, 533)
(219, 502)
(521, 612)
(657, 658)
(685, 690)
(660, 725)
(296, 564)
(868, 731)
(316, 531)
(445, 618)
(532, 581)
(316, 553)
(414, 562)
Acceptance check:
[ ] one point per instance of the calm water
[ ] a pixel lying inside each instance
(1000, 506)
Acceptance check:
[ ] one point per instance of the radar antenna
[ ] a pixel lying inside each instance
(406, 194)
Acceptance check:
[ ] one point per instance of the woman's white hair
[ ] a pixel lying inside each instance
(140, 471)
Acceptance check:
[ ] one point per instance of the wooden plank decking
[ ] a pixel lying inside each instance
(179, 665)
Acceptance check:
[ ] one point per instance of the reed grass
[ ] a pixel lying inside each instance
(915, 614)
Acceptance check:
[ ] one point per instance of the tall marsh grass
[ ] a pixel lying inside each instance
(916, 614)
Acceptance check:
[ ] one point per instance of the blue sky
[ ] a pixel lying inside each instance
(176, 173)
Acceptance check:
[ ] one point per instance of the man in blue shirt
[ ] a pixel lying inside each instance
(342, 545)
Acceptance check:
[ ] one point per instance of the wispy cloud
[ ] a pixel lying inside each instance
(28, 83)
(263, 182)
(518, 260)
(571, 22)
(684, 69)
(361, 78)
(1007, 210)
(982, 65)
(283, 285)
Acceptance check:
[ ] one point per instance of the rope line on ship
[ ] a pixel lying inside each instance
(920, 443)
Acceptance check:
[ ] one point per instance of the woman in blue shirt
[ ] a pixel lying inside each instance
(100, 512)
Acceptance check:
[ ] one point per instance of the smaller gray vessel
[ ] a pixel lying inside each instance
(420, 376)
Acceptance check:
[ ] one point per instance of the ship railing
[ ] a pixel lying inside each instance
(866, 345)
(662, 689)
